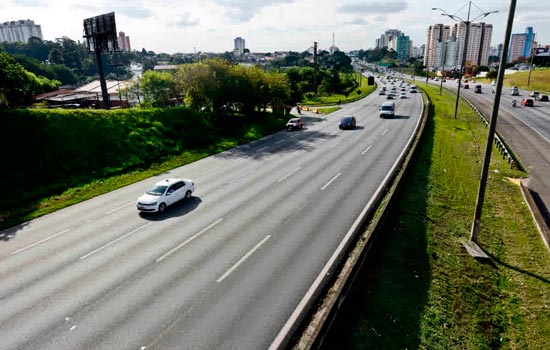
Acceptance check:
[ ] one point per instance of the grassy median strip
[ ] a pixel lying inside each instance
(420, 289)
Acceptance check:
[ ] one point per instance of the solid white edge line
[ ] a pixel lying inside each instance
(117, 209)
(187, 241)
(243, 259)
(331, 181)
(289, 174)
(114, 241)
(281, 336)
(366, 150)
(40, 242)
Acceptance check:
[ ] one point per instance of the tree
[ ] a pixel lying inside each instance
(159, 89)
(18, 86)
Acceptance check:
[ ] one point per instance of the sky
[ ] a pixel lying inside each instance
(172, 26)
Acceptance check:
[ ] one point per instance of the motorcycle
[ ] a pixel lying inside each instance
(514, 103)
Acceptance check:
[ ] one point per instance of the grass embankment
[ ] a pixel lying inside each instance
(419, 288)
(360, 92)
(540, 80)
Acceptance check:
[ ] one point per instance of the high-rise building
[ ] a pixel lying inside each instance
(521, 45)
(435, 34)
(477, 52)
(402, 47)
(384, 40)
(19, 31)
(123, 42)
(239, 46)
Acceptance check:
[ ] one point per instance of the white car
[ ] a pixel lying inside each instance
(165, 193)
(403, 95)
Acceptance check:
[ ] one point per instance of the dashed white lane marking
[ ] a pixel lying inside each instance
(114, 241)
(334, 145)
(261, 149)
(331, 181)
(119, 208)
(385, 131)
(209, 171)
(289, 174)
(187, 241)
(40, 242)
(366, 150)
(243, 259)
(280, 141)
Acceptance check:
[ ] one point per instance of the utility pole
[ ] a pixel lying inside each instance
(492, 126)
(315, 67)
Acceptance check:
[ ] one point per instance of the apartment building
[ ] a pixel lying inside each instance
(19, 31)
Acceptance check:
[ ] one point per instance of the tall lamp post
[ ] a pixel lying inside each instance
(465, 48)
(492, 127)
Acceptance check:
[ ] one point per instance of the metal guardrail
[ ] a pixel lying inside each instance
(501, 146)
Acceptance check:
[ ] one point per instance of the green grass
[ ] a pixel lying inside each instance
(334, 99)
(419, 288)
(327, 110)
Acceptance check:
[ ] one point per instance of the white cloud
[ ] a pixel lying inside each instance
(267, 25)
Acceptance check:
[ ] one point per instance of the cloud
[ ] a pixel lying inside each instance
(368, 8)
(186, 21)
(357, 21)
(132, 11)
(245, 10)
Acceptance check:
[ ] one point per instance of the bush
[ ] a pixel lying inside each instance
(358, 92)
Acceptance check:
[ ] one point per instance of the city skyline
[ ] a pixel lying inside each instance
(268, 25)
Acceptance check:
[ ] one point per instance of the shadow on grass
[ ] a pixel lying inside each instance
(384, 307)
(496, 262)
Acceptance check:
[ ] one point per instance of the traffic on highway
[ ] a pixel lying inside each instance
(217, 254)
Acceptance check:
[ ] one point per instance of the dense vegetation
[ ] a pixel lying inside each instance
(18, 86)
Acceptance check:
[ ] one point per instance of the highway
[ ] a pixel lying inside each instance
(222, 270)
(526, 130)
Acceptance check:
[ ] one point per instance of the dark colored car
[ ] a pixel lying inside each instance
(347, 122)
(527, 102)
(466, 86)
(543, 98)
(478, 89)
(294, 124)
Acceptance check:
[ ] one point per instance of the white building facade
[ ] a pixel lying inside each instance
(19, 31)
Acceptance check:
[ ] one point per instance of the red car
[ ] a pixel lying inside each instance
(527, 102)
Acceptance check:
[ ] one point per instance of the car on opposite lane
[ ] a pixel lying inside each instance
(347, 122)
(165, 193)
(527, 102)
(294, 124)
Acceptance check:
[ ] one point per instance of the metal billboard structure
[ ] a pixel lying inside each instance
(100, 35)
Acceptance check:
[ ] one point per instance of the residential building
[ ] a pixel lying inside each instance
(435, 34)
(384, 40)
(239, 46)
(521, 45)
(402, 47)
(19, 31)
(477, 52)
(123, 42)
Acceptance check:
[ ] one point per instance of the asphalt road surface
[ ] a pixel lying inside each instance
(222, 270)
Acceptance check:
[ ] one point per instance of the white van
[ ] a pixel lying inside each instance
(387, 109)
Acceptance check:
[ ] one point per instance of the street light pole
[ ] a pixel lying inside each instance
(443, 69)
(492, 126)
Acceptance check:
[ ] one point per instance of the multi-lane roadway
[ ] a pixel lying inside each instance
(222, 270)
